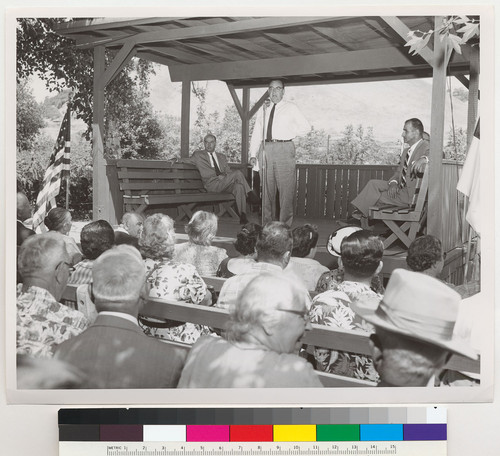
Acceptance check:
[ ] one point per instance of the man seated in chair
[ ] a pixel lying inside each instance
(218, 177)
(399, 189)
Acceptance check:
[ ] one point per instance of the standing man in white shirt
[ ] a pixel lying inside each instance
(275, 129)
(399, 189)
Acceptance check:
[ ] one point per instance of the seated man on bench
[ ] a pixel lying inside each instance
(399, 189)
(218, 177)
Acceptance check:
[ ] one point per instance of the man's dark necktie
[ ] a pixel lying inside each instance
(402, 182)
(269, 135)
(217, 169)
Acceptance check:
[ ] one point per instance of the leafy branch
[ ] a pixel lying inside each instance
(455, 32)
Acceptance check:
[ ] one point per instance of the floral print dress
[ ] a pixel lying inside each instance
(180, 282)
(333, 308)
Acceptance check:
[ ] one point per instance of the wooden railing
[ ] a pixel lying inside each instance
(325, 191)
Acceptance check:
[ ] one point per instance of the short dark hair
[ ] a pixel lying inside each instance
(274, 241)
(247, 238)
(95, 238)
(416, 124)
(305, 239)
(361, 253)
(424, 252)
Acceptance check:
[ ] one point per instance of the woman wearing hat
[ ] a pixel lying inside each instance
(329, 280)
(361, 259)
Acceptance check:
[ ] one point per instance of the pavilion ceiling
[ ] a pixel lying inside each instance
(247, 51)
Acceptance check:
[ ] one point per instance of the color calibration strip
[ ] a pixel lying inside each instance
(253, 425)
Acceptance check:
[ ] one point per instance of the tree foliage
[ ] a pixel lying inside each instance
(29, 116)
(455, 32)
(63, 65)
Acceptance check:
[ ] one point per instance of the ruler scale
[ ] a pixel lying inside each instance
(253, 432)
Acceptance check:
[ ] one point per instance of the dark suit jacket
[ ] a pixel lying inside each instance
(115, 353)
(23, 233)
(421, 150)
(201, 159)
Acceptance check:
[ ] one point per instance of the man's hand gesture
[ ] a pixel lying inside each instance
(393, 189)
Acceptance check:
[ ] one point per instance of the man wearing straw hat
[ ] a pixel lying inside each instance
(414, 330)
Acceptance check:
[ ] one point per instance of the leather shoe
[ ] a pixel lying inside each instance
(243, 219)
(252, 197)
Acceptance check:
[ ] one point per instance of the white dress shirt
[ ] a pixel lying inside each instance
(288, 122)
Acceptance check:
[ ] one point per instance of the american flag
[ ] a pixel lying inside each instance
(57, 170)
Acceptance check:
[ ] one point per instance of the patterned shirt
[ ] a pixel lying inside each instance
(43, 322)
(179, 282)
(82, 273)
(206, 258)
(335, 308)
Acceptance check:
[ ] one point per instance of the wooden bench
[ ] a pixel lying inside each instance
(321, 336)
(405, 222)
(161, 183)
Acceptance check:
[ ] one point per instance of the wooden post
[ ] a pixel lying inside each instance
(473, 93)
(185, 111)
(245, 125)
(100, 185)
(434, 218)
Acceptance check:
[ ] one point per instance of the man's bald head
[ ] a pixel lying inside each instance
(23, 207)
(44, 262)
(118, 279)
(40, 254)
(272, 311)
(132, 222)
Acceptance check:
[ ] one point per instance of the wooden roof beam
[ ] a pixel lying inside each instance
(227, 28)
(152, 57)
(70, 28)
(121, 59)
(330, 34)
(298, 65)
(402, 30)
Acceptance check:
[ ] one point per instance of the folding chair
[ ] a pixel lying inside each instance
(405, 222)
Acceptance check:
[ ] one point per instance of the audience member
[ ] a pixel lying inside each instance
(361, 259)
(47, 373)
(198, 251)
(128, 231)
(169, 279)
(42, 321)
(414, 330)
(399, 189)
(95, 238)
(426, 255)
(58, 222)
(302, 262)
(245, 245)
(274, 248)
(330, 280)
(23, 213)
(114, 352)
(262, 340)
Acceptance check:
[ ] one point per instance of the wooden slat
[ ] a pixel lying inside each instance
(301, 192)
(160, 185)
(127, 173)
(153, 164)
(188, 198)
(321, 192)
(312, 193)
(330, 193)
(340, 193)
(353, 184)
(216, 282)
(322, 336)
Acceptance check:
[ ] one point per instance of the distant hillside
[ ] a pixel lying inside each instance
(381, 105)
